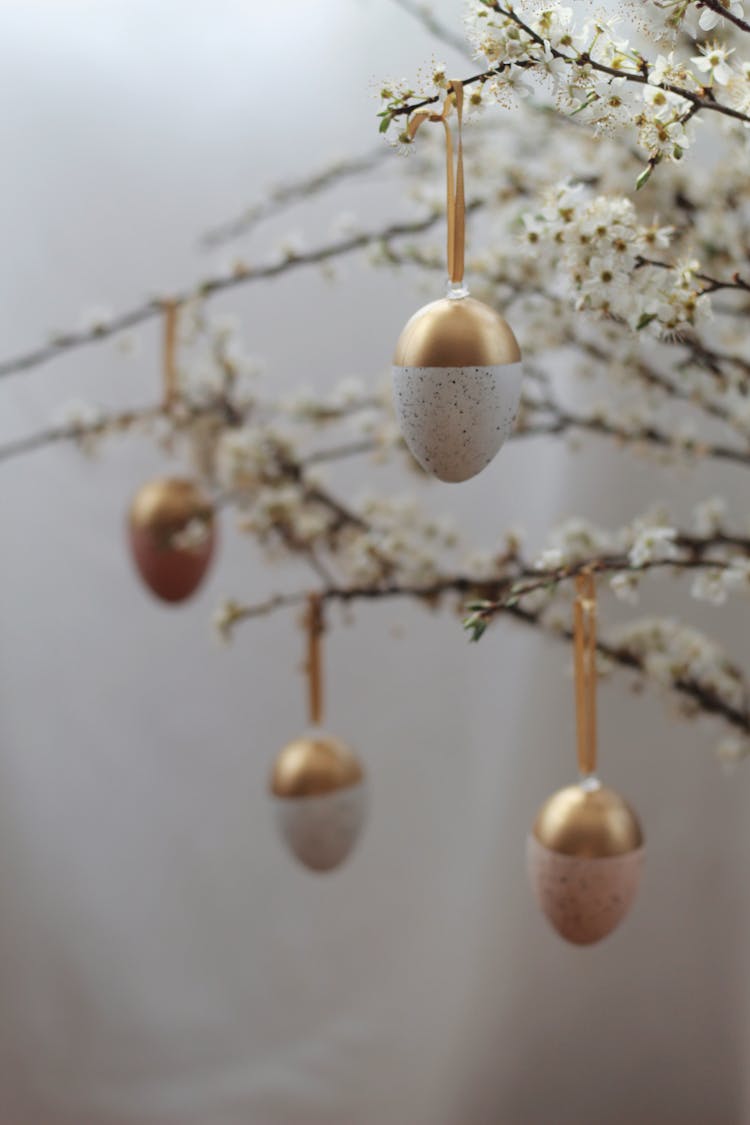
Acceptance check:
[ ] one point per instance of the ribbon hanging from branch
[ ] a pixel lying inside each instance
(584, 647)
(315, 626)
(169, 359)
(456, 200)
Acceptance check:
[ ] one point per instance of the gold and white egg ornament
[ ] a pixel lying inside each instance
(585, 855)
(320, 795)
(172, 534)
(456, 385)
(457, 367)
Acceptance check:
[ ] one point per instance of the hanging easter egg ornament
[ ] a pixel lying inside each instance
(171, 522)
(317, 783)
(457, 367)
(172, 532)
(585, 851)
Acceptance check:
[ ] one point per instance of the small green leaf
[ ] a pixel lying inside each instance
(476, 629)
(645, 320)
(385, 123)
(644, 177)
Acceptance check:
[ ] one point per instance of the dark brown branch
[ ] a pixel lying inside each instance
(705, 100)
(562, 421)
(241, 275)
(482, 76)
(711, 284)
(510, 590)
(706, 699)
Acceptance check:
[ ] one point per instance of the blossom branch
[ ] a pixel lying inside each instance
(429, 20)
(563, 421)
(698, 694)
(701, 695)
(711, 284)
(240, 275)
(701, 99)
(284, 195)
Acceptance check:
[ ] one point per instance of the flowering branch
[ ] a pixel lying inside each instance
(701, 99)
(701, 695)
(711, 284)
(284, 195)
(241, 274)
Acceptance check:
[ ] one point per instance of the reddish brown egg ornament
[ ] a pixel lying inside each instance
(172, 533)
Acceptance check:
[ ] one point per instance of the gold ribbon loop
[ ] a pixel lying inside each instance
(315, 626)
(169, 366)
(584, 646)
(458, 234)
(456, 202)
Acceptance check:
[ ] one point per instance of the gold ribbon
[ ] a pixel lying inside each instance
(315, 626)
(456, 201)
(584, 647)
(169, 362)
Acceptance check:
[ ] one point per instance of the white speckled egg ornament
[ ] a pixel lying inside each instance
(456, 386)
(317, 783)
(457, 367)
(585, 852)
(320, 796)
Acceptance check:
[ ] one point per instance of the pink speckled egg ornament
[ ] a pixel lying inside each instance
(585, 855)
(585, 851)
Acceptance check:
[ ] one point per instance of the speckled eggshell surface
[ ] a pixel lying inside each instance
(322, 830)
(455, 419)
(584, 899)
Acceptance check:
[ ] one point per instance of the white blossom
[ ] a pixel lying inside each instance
(709, 18)
(713, 61)
(652, 544)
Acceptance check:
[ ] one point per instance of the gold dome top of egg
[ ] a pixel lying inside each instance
(591, 822)
(313, 766)
(455, 332)
(166, 505)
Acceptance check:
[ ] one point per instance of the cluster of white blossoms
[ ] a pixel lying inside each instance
(596, 68)
(600, 245)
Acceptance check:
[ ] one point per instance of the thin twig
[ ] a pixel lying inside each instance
(241, 275)
(277, 199)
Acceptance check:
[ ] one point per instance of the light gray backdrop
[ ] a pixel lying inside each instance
(162, 961)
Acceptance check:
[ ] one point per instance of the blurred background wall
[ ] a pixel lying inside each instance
(162, 961)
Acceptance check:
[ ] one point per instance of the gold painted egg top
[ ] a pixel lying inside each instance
(166, 505)
(588, 823)
(456, 333)
(314, 765)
